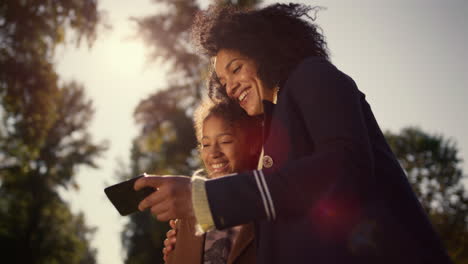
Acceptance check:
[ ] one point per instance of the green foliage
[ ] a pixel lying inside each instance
(164, 147)
(433, 168)
(38, 26)
(43, 132)
(143, 238)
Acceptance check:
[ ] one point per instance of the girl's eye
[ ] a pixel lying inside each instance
(226, 142)
(205, 145)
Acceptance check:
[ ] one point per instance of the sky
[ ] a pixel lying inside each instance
(408, 57)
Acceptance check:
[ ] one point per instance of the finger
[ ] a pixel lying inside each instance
(164, 216)
(165, 251)
(151, 200)
(171, 233)
(172, 242)
(148, 181)
(172, 223)
(169, 249)
(160, 208)
(167, 244)
(169, 241)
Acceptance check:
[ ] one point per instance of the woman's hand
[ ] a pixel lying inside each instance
(172, 200)
(170, 241)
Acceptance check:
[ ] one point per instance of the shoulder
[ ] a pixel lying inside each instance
(313, 67)
(315, 74)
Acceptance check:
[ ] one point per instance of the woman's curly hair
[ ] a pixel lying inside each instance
(276, 37)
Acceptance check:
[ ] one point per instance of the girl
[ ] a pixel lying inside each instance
(229, 142)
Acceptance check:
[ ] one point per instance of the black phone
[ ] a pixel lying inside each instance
(124, 198)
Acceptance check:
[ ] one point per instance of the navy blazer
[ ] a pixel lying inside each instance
(331, 190)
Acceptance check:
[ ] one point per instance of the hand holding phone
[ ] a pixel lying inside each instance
(124, 198)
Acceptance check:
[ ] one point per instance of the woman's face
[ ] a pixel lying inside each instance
(238, 74)
(224, 147)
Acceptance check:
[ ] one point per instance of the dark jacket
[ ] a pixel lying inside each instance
(189, 248)
(331, 190)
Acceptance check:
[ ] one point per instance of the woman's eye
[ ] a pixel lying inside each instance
(237, 69)
(205, 145)
(226, 142)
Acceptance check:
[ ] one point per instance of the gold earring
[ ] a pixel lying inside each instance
(275, 94)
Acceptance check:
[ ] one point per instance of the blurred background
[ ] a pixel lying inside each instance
(96, 91)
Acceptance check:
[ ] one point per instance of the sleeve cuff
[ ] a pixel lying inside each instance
(201, 207)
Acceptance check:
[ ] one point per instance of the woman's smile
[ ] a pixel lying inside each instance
(238, 74)
(244, 96)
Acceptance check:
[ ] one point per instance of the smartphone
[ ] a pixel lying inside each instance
(124, 198)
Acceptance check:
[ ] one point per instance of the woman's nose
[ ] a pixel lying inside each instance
(231, 88)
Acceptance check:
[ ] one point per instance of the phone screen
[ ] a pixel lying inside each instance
(124, 198)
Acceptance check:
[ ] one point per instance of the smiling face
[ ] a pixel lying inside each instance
(224, 147)
(238, 74)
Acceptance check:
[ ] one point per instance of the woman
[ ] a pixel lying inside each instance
(229, 141)
(331, 190)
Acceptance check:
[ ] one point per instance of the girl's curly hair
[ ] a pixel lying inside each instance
(231, 112)
(276, 37)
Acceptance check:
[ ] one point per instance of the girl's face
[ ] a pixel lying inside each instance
(238, 74)
(224, 147)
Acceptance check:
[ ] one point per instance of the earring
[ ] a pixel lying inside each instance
(275, 94)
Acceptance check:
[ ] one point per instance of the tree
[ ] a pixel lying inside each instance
(433, 168)
(166, 143)
(43, 132)
(165, 146)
